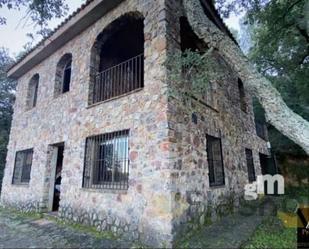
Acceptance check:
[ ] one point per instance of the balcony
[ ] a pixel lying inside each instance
(119, 80)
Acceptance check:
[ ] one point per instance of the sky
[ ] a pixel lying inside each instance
(13, 34)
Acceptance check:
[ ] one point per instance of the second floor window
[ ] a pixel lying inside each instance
(242, 96)
(32, 93)
(250, 165)
(22, 167)
(63, 75)
(107, 161)
(215, 161)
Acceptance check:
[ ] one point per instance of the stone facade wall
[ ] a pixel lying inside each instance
(168, 182)
(195, 202)
(144, 210)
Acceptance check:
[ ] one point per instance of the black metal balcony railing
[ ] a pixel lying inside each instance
(119, 79)
(261, 130)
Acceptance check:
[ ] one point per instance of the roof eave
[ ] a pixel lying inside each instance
(73, 26)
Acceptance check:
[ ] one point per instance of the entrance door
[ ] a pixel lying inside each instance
(57, 182)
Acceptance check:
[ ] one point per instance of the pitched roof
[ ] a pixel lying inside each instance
(99, 8)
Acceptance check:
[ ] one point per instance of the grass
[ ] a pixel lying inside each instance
(280, 231)
(85, 229)
(272, 234)
(27, 215)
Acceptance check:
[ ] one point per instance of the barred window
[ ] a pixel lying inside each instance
(22, 167)
(250, 165)
(215, 161)
(107, 161)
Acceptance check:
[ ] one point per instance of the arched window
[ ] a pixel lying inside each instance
(63, 74)
(32, 93)
(188, 39)
(117, 59)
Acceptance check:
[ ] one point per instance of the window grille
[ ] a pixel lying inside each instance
(250, 165)
(22, 167)
(107, 161)
(119, 79)
(215, 161)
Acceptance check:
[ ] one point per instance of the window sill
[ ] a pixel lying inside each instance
(26, 185)
(217, 186)
(57, 96)
(115, 98)
(30, 109)
(106, 191)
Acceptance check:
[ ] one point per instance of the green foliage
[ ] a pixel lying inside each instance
(86, 229)
(281, 53)
(190, 71)
(272, 234)
(39, 11)
(7, 96)
(297, 169)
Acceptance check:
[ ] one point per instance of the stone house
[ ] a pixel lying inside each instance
(96, 137)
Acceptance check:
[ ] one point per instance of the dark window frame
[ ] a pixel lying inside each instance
(250, 165)
(22, 175)
(242, 96)
(213, 182)
(32, 92)
(67, 76)
(106, 162)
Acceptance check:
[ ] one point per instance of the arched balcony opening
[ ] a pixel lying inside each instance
(117, 59)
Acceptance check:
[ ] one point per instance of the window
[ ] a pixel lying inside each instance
(63, 75)
(250, 165)
(32, 94)
(242, 96)
(215, 161)
(117, 59)
(22, 167)
(107, 161)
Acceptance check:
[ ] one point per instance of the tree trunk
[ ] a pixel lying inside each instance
(277, 112)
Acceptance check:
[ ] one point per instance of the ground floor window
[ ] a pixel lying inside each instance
(107, 161)
(250, 165)
(22, 167)
(215, 161)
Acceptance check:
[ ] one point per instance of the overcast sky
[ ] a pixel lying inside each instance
(13, 34)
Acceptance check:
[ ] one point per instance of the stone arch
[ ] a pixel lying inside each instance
(63, 74)
(120, 41)
(32, 93)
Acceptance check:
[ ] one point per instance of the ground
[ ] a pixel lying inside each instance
(255, 225)
(25, 231)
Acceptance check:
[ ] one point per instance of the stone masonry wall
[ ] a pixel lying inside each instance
(168, 182)
(194, 201)
(144, 210)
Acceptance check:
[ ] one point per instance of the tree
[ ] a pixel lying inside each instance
(282, 55)
(276, 111)
(39, 11)
(7, 96)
